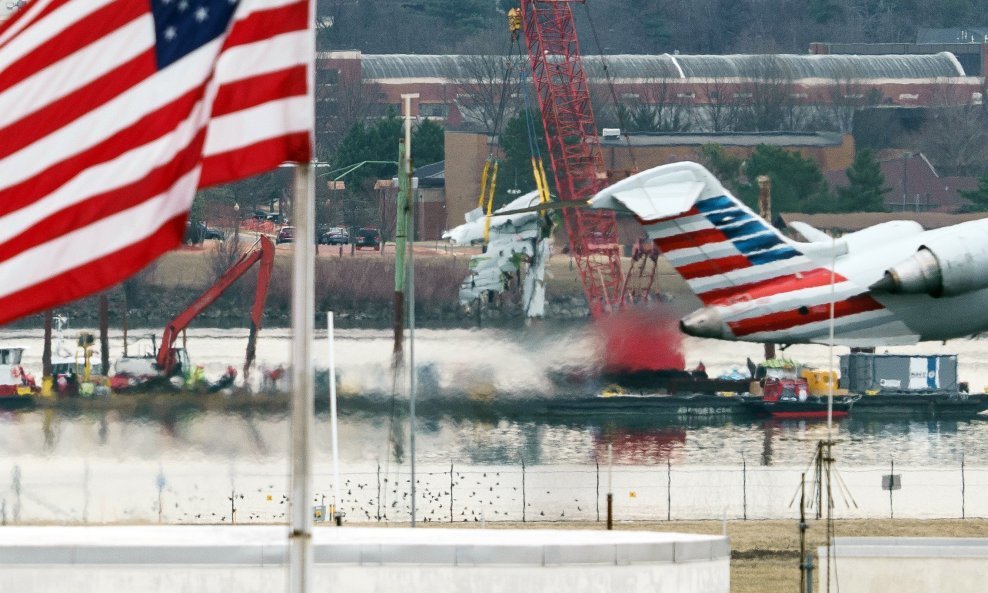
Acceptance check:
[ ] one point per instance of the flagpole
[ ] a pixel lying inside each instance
(406, 171)
(334, 428)
(303, 313)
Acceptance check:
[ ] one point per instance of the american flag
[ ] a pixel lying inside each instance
(114, 112)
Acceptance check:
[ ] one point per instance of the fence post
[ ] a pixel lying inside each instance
(379, 491)
(523, 500)
(963, 510)
(610, 489)
(668, 490)
(891, 482)
(450, 490)
(597, 463)
(744, 488)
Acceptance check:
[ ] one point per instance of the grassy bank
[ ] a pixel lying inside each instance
(765, 554)
(358, 285)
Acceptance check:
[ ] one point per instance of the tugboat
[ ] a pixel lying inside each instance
(786, 392)
(791, 398)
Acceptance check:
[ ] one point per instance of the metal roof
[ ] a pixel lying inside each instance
(793, 66)
(855, 221)
(727, 139)
(974, 35)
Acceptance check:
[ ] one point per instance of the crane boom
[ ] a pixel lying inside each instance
(574, 150)
(263, 252)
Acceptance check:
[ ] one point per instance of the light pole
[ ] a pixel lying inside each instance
(236, 222)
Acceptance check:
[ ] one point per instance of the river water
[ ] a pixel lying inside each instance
(177, 465)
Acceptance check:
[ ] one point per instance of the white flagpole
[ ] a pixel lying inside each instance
(300, 554)
(334, 430)
(303, 313)
(406, 169)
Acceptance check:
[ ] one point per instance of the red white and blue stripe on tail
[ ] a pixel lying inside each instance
(721, 248)
(761, 283)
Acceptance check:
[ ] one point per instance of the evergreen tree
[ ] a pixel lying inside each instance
(515, 169)
(725, 167)
(978, 197)
(867, 189)
(797, 183)
(428, 143)
(379, 142)
(469, 15)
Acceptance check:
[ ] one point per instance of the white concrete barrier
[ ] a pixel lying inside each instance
(905, 565)
(253, 558)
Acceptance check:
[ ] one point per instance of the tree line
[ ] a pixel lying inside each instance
(641, 26)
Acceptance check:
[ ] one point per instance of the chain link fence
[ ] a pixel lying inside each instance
(202, 492)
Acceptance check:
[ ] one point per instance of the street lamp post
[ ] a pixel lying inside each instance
(236, 223)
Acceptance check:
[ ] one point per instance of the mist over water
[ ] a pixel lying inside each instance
(463, 371)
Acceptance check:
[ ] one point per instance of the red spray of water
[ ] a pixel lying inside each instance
(641, 339)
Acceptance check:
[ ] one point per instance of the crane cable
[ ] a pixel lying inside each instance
(538, 170)
(610, 86)
(488, 178)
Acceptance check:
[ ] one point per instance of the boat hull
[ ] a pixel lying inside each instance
(810, 408)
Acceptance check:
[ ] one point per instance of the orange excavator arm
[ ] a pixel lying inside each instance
(262, 252)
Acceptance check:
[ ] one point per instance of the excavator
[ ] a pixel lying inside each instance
(172, 361)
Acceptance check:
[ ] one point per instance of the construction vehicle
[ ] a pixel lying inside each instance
(170, 361)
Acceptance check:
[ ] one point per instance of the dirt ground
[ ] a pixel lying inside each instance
(765, 554)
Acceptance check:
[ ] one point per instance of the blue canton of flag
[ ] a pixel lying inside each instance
(183, 26)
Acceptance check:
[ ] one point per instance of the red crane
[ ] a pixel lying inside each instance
(263, 252)
(563, 95)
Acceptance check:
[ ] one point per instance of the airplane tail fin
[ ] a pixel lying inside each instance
(715, 242)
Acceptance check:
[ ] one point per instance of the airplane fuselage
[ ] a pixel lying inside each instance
(891, 283)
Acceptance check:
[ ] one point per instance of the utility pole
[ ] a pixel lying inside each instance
(401, 235)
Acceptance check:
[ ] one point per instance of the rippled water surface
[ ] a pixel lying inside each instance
(517, 371)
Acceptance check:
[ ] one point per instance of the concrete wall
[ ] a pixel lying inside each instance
(905, 565)
(465, 156)
(248, 559)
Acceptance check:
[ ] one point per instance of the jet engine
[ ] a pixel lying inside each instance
(948, 265)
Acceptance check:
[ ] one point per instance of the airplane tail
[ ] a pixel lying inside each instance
(716, 243)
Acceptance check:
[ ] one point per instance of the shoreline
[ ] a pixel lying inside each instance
(356, 286)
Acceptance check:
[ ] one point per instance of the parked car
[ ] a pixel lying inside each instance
(213, 233)
(286, 235)
(368, 237)
(336, 235)
(197, 232)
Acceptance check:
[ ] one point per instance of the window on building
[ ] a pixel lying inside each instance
(382, 109)
(327, 76)
(433, 110)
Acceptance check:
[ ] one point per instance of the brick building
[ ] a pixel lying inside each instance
(915, 185)
(448, 85)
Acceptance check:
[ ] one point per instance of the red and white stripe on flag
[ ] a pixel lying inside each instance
(114, 112)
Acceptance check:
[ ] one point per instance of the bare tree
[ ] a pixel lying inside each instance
(955, 136)
(341, 101)
(661, 106)
(721, 109)
(487, 89)
(767, 96)
(848, 95)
